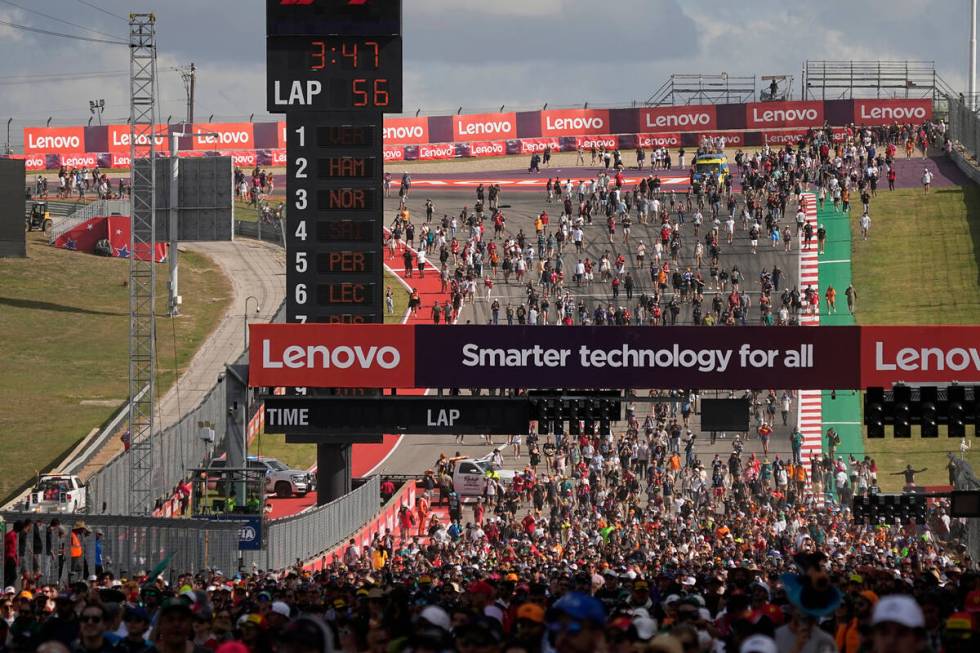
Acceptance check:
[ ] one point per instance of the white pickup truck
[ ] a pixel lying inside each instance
(470, 475)
(57, 493)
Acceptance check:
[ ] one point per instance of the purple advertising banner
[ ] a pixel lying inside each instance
(636, 357)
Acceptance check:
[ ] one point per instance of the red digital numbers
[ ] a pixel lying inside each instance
(322, 53)
(366, 95)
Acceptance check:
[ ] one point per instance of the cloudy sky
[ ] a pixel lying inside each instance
(478, 54)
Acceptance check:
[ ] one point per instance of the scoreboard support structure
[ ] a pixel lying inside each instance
(334, 68)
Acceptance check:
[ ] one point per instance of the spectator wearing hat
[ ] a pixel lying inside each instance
(576, 624)
(897, 625)
(137, 623)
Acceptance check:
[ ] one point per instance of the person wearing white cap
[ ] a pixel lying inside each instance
(758, 644)
(897, 625)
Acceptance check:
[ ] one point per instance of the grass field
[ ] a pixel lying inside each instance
(920, 266)
(64, 345)
(303, 456)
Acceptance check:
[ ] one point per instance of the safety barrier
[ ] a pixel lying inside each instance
(306, 535)
(65, 548)
(386, 519)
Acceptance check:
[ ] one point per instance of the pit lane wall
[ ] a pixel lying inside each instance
(486, 134)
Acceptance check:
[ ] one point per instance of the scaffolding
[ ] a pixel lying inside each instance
(846, 80)
(704, 89)
(142, 246)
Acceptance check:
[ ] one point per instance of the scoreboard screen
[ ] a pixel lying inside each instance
(330, 73)
(334, 224)
(334, 67)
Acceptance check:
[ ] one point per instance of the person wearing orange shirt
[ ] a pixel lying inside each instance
(831, 296)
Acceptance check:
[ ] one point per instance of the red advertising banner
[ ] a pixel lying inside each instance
(119, 139)
(784, 136)
(574, 122)
(224, 136)
(281, 134)
(278, 157)
(488, 148)
(437, 151)
(532, 145)
(241, 159)
(406, 131)
(933, 354)
(485, 125)
(80, 160)
(394, 153)
(732, 139)
(659, 140)
(678, 119)
(888, 112)
(57, 140)
(606, 140)
(35, 163)
(295, 355)
(778, 115)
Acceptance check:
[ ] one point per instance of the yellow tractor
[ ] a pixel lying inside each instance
(40, 218)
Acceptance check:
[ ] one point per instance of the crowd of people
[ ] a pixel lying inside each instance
(685, 270)
(79, 183)
(607, 541)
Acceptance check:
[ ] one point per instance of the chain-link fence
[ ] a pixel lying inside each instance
(176, 449)
(67, 548)
(304, 536)
(182, 446)
(964, 125)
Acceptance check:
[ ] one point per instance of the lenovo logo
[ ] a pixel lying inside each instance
(122, 139)
(52, 142)
(223, 138)
(312, 357)
(431, 151)
(665, 140)
(488, 148)
(700, 119)
(491, 128)
(892, 113)
(784, 115)
(394, 154)
(404, 133)
(592, 123)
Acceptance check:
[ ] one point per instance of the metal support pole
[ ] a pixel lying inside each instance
(173, 304)
(973, 54)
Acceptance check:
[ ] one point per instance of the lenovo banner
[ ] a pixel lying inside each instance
(574, 122)
(119, 139)
(394, 153)
(54, 140)
(919, 355)
(241, 159)
(677, 119)
(437, 151)
(223, 136)
(378, 356)
(406, 131)
(888, 112)
(607, 141)
(491, 126)
(488, 148)
(778, 115)
(658, 140)
(80, 160)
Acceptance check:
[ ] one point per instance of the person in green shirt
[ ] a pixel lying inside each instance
(796, 441)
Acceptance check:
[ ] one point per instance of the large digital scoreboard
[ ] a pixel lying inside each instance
(334, 67)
